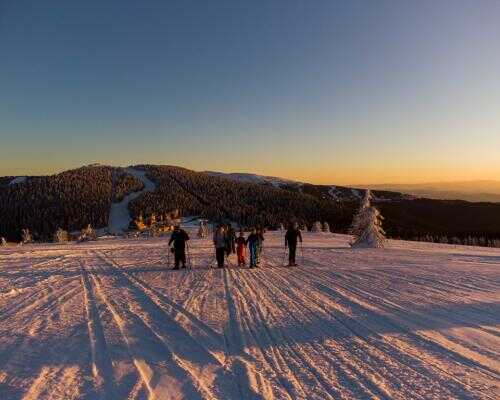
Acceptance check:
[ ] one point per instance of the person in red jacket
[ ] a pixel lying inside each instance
(241, 243)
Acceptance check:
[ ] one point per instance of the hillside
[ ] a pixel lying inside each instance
(75, 198)
(70, 200)
(109, 320)
(217, 198)
(330, 192)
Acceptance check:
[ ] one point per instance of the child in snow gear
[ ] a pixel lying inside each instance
(220, 245)
(291, 237)
(179, 238)
(253, 246)
(240, 249)
(230, 240)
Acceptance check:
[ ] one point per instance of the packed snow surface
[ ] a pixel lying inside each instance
(109, 320)
(119, 215)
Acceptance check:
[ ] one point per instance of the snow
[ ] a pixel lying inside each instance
(17, 180)
(335, 193)
(355, 193)
(108, 320)
(119, 215)
(254, 178)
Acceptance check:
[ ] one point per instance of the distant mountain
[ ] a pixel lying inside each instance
(72, 199)
(329, 192)
(253, 178)
(475, 191)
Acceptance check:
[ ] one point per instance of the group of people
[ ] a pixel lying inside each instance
(226, 243)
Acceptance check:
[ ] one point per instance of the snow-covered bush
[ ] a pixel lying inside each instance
(87, 234)
(317, 227)
(326, 227)
(203, 230)
(61, 236)
(26, 237)
(367, 226)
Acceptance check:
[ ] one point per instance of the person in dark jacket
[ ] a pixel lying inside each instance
(179, 238)
(230, 240)
(220, 243)
(253, 245)
(292, 236)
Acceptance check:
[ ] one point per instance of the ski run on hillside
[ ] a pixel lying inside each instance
(110, 320)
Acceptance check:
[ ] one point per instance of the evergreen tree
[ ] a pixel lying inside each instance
(61, 236)
(355, 228)
(87, 234)
(317, 227)
(26, 237)
(367, 226)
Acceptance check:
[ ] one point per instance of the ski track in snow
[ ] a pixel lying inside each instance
(119, 215)
(109, 320)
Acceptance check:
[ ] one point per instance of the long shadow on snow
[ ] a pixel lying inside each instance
(235, 347)
(75, 273)
(367, 323)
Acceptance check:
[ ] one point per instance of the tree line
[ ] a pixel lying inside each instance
(74, 199)
(218, 198)
(70, 200)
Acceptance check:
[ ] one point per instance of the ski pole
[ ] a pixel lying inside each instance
(189, 266)
(301, 253)
(284, 257)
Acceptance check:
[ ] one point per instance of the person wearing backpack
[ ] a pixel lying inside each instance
(292, 236)
(253, 246)
(220, 241)
(179, 238)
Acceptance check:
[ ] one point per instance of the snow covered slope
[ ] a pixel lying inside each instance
(254, 178)
(107, 319)
(17, 180)
(119, 214)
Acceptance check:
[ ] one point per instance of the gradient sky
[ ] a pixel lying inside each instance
(323, 91)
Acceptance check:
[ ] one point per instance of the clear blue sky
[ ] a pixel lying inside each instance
(326, 91)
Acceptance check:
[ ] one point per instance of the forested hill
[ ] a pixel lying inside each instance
(75, 198)
(216, 198)
(70, 200)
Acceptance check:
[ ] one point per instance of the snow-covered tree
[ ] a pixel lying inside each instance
(61, 236)
(326, 227)
(365, 203)
(317, 227)
(87, 234)
(26, 236)
(367, 226)
(203, 230)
